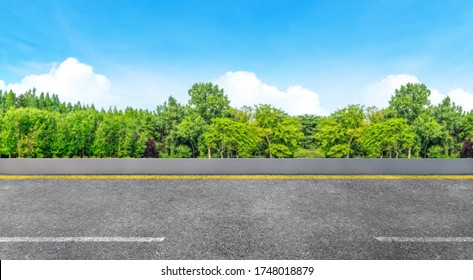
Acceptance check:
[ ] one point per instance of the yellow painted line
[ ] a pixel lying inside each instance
(234, 177)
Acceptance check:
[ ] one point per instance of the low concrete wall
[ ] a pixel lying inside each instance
(236, 166)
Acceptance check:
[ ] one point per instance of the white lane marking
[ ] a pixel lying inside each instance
(80, 239)
(424, 239)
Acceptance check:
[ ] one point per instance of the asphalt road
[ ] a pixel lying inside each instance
(236, 219)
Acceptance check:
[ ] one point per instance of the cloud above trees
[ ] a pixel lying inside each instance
(72, 81)
(75, 81)
(379, 93)
(246, 89)
(461, 97)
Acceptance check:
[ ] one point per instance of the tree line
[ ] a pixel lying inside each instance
(41, 126)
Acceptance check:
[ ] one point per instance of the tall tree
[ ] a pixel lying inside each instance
(451, 118)
(430, 134)
(226, 135)
(390, 136)
(281, 133)
(409, 102)
(168, 117)
(337, 134)
(309, 125)
(209, 101)
(190, 129)
(10, 100)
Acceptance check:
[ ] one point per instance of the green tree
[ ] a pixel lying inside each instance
(409, 102)
(337, 134)
(106, 140)
(9, 134)
(467, 131)
(451, 118)
(226, 135)
(190, 130)
(245, 114)
(28, 132)
(168, 117)
(10, 100)
(375, 115)
(309, 125)
(430, 133)
(281, 133)
(392, 135)
(209, 101)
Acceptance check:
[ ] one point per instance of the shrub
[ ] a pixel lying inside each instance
(467, 151)
(150, 151)
(305, 153)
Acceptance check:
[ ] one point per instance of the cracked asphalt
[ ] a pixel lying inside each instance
(237, 219)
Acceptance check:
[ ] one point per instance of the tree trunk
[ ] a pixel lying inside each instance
(349, 144)
(193, 150)
(210, 153)
(269, 147)
(409, 152)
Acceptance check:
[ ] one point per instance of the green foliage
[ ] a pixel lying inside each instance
(228, 137)
(467, 129)
(40, 125)
(190, 129)
(374, 115)
(337, 134)
(306, 153)
(28, 132)
(436, 152)
(209, 101)
(168, 117)
(453, 122)
(392, 136)
(309, 125)
(429, 132)
(281, 133)
(409, 102)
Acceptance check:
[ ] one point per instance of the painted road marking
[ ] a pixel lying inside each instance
(424, 239)
(80, 239)
(235, 177)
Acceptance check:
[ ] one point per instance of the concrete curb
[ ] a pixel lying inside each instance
(236, 166)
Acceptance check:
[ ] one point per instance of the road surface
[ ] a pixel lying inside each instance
(228, 218)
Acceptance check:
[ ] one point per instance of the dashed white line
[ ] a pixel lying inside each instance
(424, 239)
(80, 239)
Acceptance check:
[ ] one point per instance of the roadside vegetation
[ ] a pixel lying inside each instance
(36, 125)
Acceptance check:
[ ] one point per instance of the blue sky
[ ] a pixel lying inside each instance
(302, 56)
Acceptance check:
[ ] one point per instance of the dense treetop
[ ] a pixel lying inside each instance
(40, 125)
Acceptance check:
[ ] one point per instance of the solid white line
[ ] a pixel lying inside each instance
(80, 239)
(424, 239)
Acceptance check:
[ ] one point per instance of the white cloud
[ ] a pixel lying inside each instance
(457, 95)
(436, 97)
(379, 93)
(244, 88)
(72, 81)
(462, 98)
